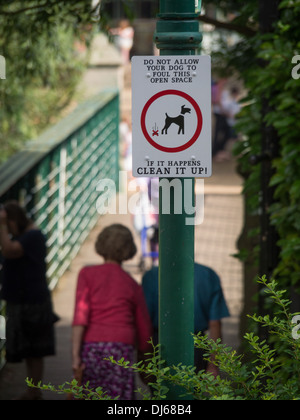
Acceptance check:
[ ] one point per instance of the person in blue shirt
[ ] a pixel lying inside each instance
(210, 307)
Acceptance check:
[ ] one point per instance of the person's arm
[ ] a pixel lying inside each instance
(151, 297)
(143, 322)
(77, 336)
(80, 323)
(9, 249)
(215, 332)
(218, 311)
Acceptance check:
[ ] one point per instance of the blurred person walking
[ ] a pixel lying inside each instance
(30, 319)
(231, 108)
(222, 128)
(210, 307)
(124, 39)
(110, 318)
(225, 107)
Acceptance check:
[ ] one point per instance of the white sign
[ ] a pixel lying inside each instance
(171, 116)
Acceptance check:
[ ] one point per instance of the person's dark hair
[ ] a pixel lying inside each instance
(116, 243)
(17, 214)
(234, 90)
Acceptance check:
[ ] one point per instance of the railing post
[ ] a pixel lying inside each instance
(177, 33)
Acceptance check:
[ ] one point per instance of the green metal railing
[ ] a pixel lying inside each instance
(55, 178)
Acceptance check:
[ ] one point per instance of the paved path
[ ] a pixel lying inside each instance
(215, 245)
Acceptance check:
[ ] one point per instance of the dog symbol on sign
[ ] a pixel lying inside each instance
(179, 120)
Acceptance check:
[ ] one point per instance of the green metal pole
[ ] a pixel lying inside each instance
(177, 33)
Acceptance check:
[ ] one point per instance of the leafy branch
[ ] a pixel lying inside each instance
(73, 390)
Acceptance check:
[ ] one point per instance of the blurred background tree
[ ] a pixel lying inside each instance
(39, 40)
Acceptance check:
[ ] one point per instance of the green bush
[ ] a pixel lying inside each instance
(270, 76)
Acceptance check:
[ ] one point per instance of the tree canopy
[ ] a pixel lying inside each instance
(267, 63)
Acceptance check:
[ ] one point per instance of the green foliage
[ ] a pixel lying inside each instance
(274, 81)
(273, 374)
(264, 63)
(73, 390)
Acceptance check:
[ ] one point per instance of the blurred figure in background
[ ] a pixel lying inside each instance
(124, 39)
(30, 319)
(221, 128)
(231, 108)
(126, 145)
(225, 108)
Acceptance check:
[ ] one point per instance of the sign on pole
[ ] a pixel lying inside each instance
(171, 116)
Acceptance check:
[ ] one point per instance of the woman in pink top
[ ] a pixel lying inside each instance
(111, 316)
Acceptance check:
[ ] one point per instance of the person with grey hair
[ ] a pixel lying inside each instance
(110, 317)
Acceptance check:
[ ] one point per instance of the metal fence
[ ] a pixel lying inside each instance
(55, 178)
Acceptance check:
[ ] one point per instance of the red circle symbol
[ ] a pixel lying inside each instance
(199, 124)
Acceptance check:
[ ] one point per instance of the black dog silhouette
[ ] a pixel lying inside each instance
(176, 120)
